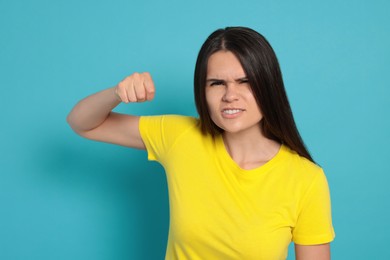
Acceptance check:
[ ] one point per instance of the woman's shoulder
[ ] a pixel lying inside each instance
(302, 172)
(300, 164)
(170, 123)
(179, 122)
(180, 119)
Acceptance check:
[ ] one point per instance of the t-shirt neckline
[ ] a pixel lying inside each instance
(223, 153)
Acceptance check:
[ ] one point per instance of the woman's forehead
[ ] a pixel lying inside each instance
(224, 65)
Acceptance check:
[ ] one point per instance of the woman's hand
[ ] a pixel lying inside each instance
(138, 87)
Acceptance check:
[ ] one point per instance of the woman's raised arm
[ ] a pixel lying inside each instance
(93, 118)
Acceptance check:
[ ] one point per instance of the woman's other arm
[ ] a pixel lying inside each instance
(312, 252)
(93, 118)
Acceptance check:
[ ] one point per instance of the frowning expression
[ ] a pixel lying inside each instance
(230, 100)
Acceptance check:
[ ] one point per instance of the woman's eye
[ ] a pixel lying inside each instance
(244, 81)
(216, 83)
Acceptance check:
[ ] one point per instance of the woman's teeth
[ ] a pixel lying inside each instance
(231, 111)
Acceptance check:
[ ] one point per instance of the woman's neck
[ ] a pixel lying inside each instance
(250, 149)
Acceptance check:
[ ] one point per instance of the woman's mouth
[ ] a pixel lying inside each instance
(231, 111)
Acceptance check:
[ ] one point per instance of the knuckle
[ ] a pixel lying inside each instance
(146, 74)
(120, 85)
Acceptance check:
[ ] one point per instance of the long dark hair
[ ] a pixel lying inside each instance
(262, 69)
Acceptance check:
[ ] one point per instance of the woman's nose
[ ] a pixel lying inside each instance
(231, 93)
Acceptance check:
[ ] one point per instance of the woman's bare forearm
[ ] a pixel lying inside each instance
(92, 117)
(93, 110)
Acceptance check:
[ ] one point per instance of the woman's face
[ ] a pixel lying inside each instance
(229, 97)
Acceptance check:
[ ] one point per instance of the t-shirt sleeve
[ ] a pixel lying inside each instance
(159, 133)
(314, 222)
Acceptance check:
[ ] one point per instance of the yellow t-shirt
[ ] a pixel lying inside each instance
(220, 211)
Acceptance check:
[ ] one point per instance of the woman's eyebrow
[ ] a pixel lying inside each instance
(212, 79)
(238, 79)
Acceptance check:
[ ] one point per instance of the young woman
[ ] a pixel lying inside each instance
(241, 183)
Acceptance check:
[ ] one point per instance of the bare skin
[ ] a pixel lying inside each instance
(234, 109)
(231, 106)
(312, 252)
(93, 118)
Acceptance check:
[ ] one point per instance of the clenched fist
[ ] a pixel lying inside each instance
(138, 87)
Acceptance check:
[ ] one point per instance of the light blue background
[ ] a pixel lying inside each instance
(63, 197)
